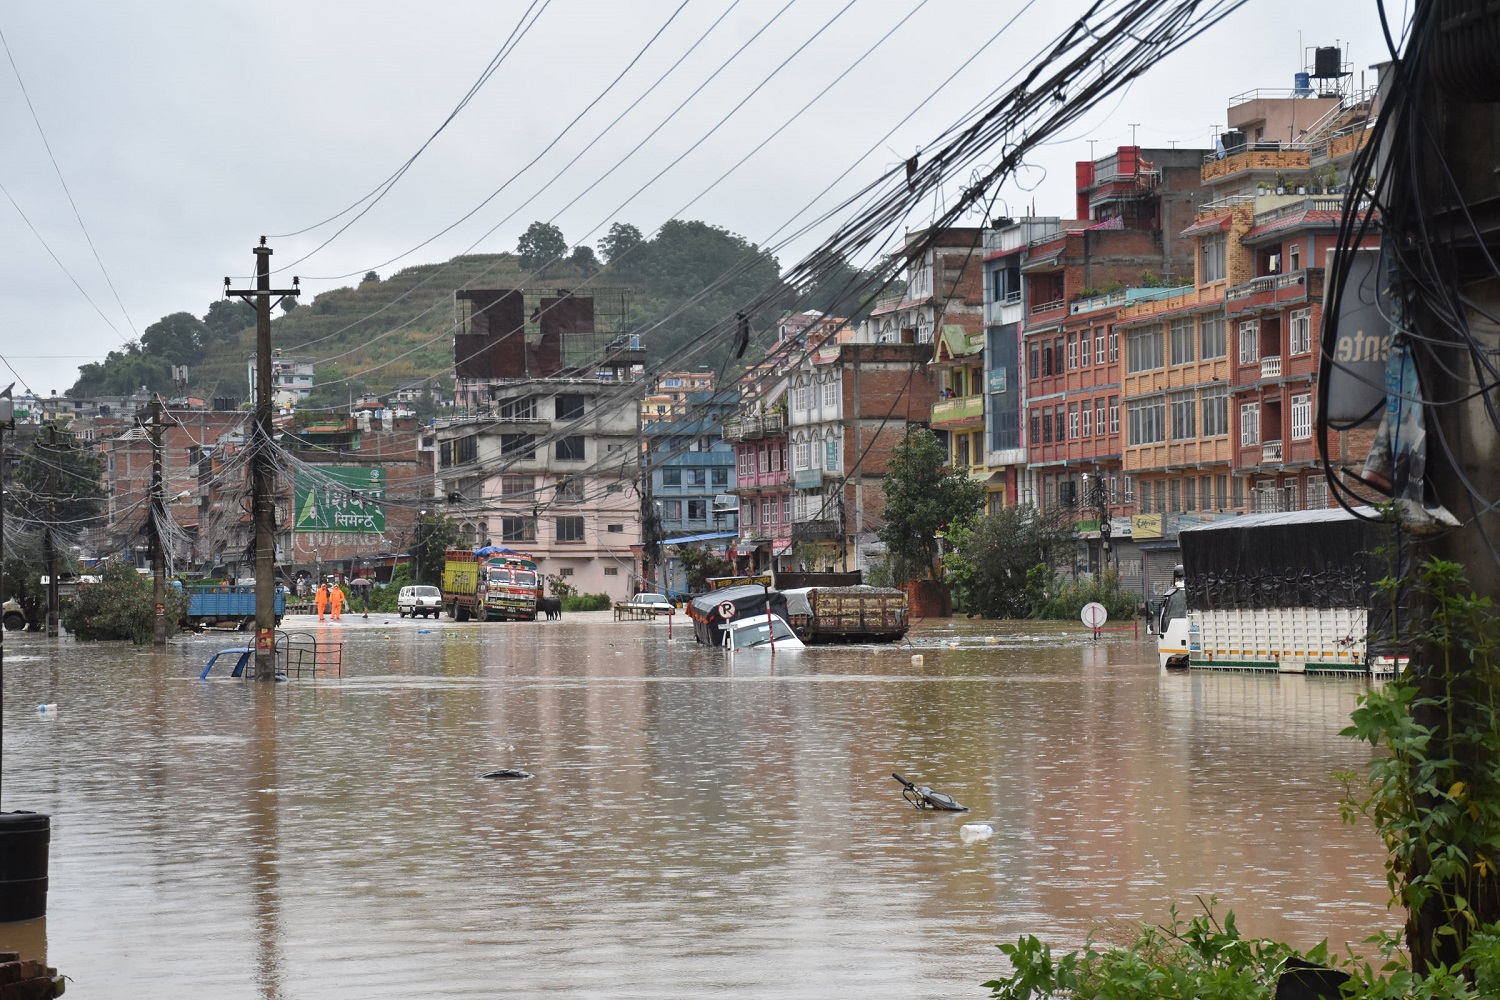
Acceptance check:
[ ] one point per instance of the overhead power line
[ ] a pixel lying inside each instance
(58, 170)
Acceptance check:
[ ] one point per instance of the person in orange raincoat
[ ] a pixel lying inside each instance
(321, 599)
(336, 601)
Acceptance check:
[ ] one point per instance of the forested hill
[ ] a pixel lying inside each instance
(390, 330)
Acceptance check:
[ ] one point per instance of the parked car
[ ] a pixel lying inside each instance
(14, 615)
(769, 632)
(414, 601)
(655, 603)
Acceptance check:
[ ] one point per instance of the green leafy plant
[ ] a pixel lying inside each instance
(1063, 601)
(1433, 792)
(1198, 959)
(384, 598)
(587, 602)
(120, 606)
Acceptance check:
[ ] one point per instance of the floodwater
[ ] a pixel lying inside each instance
(695, 825)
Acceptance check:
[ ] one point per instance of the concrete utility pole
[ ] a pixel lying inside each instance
(49, 547)
(263, 474)
(1447, 182)
(7, 422)
(158, 515)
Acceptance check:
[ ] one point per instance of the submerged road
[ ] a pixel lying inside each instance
(694, 825)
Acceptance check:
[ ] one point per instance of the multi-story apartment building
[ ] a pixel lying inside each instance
(550, 463)
(958, 370)
(763, 479)
(692, 475)
(1004, 365)
(1256, 312)
(850, 403)
(943, 305)
(291, 378)
(1073, 281)
(672, 392)
(944, 285)
(1219, 381)
(763, 471)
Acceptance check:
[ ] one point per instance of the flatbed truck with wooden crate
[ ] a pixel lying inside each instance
(847, 614)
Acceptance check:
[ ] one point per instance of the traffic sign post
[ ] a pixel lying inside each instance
(1094, 616)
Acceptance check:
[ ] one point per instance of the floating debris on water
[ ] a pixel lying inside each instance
(508, 774)
(971, 832)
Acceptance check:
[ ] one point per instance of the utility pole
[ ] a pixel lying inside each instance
(49, 547)
(1442, 230)
(263, 472)
(158, 516)
(7, 422)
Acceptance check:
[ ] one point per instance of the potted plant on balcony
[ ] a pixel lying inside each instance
(1281, 184)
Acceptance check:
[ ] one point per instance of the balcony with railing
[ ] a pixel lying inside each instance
(1254, 159)
(1270, 367)
(1302, 285)
(1009, 310)
(753, 426)
(966, 409)
(1270, 452)
(1316, 203)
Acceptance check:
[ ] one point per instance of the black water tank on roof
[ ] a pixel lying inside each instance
(1328, 63)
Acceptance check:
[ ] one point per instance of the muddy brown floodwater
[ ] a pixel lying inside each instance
(695, 825)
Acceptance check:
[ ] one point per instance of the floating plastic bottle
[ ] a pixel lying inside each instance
(971, 832)
(49, 709)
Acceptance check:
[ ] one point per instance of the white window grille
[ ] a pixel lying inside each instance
(1249, 424)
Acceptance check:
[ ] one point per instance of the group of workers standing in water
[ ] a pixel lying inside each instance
(331, 600)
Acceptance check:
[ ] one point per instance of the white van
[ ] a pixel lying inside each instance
(414, 601)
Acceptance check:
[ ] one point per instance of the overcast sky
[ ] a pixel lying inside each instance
(186, 130)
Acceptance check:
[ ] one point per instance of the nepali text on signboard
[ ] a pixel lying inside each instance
(340, 500)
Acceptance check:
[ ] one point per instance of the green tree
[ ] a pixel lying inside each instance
(227, 317)
(122, 373)
(541, 245)
(59, 476)
(120, 606)
(922, 497)
(701, 565)
(425, 406)
(369, 277)
(696, 277)
(288, 304)
(621, 240)
(583, 258)
(1001, 565)
(180, 338)
(432, 535)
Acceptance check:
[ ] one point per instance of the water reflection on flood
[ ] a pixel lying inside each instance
(695, 824)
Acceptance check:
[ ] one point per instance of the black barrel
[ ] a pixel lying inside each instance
(24, 838)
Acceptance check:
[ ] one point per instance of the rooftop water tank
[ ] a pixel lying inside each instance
(1328, 63)
(1302, 85)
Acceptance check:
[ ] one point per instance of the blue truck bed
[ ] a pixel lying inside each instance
(207, 605)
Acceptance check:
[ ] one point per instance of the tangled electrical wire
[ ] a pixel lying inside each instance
(1440, 378)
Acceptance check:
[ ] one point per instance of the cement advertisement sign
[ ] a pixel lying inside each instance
(341, 501)
(1355, 362)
